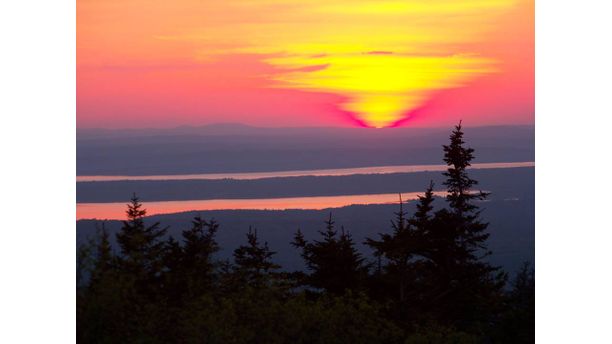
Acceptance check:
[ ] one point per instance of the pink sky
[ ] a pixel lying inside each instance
(292, 63)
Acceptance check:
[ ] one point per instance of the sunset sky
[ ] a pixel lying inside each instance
(374, 63)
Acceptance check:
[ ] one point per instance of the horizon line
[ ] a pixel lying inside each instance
(244, 125)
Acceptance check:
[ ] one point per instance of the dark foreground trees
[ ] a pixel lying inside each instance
(427, 282)
(333, 263)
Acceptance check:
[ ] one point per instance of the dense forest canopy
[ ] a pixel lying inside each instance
(428, 280)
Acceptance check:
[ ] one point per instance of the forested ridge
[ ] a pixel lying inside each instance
(428, 281)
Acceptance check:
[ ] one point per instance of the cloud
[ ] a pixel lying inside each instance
(379, 52)
(385, 57)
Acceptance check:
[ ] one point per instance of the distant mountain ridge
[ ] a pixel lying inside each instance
(240, 128)
(511, 182)
(512, 228)
(239, 148)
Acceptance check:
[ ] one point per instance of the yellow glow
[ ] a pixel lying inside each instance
(423, 46)
(380, 87)
(421, 49)
(410, 7)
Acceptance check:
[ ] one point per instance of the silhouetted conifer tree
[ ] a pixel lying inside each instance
(433, 281)
(406, 242)
(174, 282)
(464, 286)
(254, 261)
(142, 247)
(471, 231)
(189, 268)
(424, 210)
(104, 260)
(103, 304)
(199, 248)
(334, 262)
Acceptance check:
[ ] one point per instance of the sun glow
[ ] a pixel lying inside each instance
(383, 57)
(380, 59)
(379, 88)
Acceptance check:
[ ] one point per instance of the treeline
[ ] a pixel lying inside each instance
(428, 281)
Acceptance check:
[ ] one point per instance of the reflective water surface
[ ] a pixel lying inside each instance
(116, 211)
(301, 173)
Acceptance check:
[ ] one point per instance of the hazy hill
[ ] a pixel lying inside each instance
(239, 148)
(511, 182)
(511, 228)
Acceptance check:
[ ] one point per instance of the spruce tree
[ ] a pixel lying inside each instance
(104, 259)
(199, 248)
(254, 261)
(424, 210)
(350, 262)
(461, 195)
(174, 275)
(142, 247)
(463, 286)
(470, 230)
(334, 262)
(404, 245)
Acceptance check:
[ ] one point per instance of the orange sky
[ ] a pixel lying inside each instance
(373, 63)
